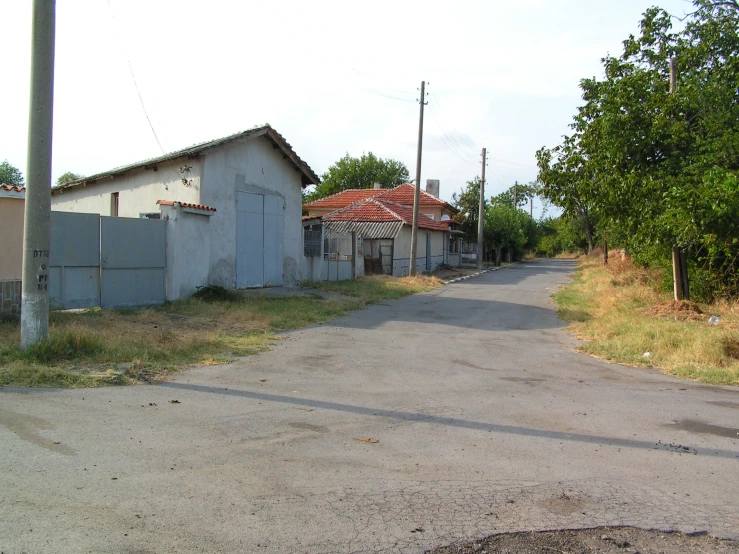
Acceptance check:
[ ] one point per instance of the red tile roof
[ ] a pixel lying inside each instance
(11, 188)
(375, 210)
(344, 198)
(402, 194)
(186, 205)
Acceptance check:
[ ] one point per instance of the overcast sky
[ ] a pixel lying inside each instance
(332, 77)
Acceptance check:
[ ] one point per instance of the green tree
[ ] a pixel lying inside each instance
(67, 177)
(359, 173)
(468, 204)
(10, 175)
(654, 168)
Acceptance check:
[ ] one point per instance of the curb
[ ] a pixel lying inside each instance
(474, 275)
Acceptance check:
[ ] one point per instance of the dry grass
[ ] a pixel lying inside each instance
(94, 348)
(376, 288)
(621, 313)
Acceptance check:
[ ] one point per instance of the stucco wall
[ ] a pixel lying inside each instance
(402, 251)
(11, 245)
(188, 249)
(138, 190)
(256, 167)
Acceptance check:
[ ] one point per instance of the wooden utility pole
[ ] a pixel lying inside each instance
(481, 213)
(417, 193)
(677, 278)
(37, 228)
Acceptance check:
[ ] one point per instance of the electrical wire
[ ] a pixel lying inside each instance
(136, 85)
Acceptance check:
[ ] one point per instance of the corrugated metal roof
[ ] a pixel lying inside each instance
(309, 177)
(366, 229)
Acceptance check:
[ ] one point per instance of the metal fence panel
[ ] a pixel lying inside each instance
(133, 260)
(132, 243)
(74, 272)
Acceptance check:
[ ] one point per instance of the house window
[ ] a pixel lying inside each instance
(153, 215)
(114, 204)
(312, 241)
(430, 216)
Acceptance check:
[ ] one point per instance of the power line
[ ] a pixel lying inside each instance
(136, 85)
(457, 152)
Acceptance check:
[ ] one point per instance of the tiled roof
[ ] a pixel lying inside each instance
(186, 205)
(277, 140)
(375, 210)
(344, 198)
(368, 210)
(10, 188)
(402, 194)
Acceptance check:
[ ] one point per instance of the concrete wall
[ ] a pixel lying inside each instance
(188, 251)
(256, 167)
(138, 190)
(11, 243)
(402, 251)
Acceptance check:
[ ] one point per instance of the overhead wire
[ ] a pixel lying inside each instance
(136, 85)
(185, 180)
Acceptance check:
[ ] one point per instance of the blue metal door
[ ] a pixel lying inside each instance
(273, 240)
(259, 240)
(249, 240)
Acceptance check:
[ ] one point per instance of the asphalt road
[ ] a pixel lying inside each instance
(485, 417)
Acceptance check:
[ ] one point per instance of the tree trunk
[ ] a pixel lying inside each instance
(589, 234)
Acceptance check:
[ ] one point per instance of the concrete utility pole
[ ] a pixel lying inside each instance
(481, 213)
(531, 213)
(681, 285)
(417, 193)
(36, 231)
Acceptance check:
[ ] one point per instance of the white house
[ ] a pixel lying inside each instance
(238, 199)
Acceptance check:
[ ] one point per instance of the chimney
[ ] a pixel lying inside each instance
(378, 186)
(432, 187)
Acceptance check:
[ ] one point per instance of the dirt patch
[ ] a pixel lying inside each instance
(603, 539)
(681, 310)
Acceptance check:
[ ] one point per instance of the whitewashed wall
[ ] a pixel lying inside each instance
(138, 190)
(253, 166)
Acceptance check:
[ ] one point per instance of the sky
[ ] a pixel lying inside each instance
(333, 77)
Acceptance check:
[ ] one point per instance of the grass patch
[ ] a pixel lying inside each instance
(96, 348)
(376, 288)
(622, 313)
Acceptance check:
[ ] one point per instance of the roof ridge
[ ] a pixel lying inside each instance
(194, 149)
(383, 206)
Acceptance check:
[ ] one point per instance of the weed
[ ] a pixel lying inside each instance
(86, 348)
(622, 312)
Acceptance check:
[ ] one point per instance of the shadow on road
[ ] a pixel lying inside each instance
(456, 422)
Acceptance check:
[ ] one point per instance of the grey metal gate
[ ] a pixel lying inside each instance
(259, 240)
(133, 262)
(74, 272)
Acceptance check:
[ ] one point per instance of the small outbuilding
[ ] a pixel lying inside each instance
(234, 203)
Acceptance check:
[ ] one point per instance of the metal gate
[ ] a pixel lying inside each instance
(132, 261)
(259, 240)
(74, 265)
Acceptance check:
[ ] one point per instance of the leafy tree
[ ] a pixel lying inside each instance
(67, 177)
(10, 175)
(653, 168)
(468, 204)
(359, 173)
